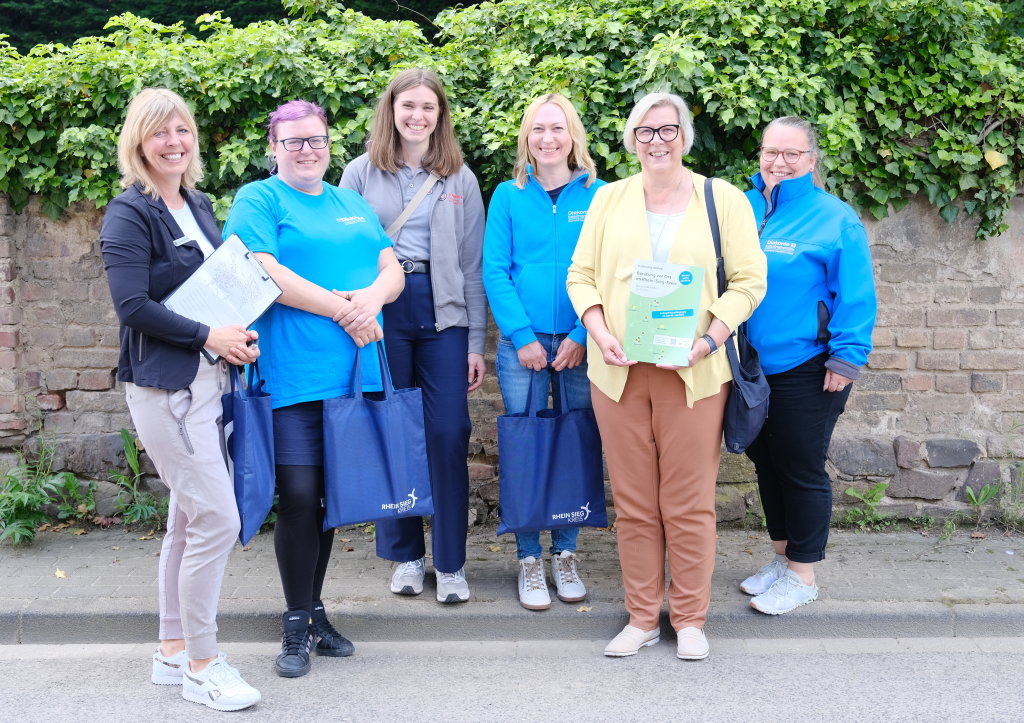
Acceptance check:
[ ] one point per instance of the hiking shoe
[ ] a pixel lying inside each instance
(787, 593)
(218, 686)
(566, 577)
(329, 641)
(692, 644)
(167, 670)
(764, 578)
(630, 640)
(296, 642)
(408, 578)
(452, 586)
(533, 590)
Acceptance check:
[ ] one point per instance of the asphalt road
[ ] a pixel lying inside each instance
(814, 680)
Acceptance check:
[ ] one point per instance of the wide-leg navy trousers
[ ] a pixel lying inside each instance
(437, 362)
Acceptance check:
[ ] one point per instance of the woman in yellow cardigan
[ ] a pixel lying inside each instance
(661, 425)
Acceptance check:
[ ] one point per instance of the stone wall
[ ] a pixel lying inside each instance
(934, 411)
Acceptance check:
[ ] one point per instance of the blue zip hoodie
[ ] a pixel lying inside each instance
(528, 246)
(821, 286)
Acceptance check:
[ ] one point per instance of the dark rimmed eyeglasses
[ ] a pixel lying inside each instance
(789, 155)
(667, 133)
(295, 144)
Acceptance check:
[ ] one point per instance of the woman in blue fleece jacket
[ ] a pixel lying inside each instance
(533, 223)
(813, 331)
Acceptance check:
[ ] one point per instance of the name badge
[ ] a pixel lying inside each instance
(181, 241)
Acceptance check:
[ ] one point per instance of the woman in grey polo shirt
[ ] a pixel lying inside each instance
(434, 332)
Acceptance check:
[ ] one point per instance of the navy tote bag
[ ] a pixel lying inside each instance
(551, 470)
(249, 438)
(375, 453)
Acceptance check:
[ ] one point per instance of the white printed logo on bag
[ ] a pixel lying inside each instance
(581, 515)
(404, 505)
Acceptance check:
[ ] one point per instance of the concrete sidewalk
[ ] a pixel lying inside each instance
(100, 587)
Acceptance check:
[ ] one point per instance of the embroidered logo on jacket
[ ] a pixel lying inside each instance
(349, 220)
(577, 216)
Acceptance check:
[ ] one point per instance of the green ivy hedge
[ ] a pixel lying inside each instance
(911, 96)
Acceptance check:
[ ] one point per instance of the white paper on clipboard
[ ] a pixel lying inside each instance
(230, 287)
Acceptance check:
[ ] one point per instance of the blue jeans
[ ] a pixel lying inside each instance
(514, 380)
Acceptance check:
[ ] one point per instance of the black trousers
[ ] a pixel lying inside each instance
(789, 456)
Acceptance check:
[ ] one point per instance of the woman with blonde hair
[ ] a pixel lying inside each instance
(533, 223)
(154, 236)
(661, 425)
(414, 177)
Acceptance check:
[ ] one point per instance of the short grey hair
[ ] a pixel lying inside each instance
(654, 100)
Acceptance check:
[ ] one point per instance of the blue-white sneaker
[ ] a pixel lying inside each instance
(786, 594)
(764, 578)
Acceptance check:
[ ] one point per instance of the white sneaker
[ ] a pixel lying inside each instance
(630, 640)
(167, 670)
(568, 585)
(691, 644)
(452, 586)
(408, 578)
(760, 581)
(533, 590)
(218, 686)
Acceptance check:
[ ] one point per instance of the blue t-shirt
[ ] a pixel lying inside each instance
(333, 240)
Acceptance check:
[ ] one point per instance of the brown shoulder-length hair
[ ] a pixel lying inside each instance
(147, 112)
(579, 157)
(443, 155)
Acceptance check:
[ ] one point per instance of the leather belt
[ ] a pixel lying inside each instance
(415, 267)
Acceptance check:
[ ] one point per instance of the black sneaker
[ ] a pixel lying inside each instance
(296, 642)
(329, 641)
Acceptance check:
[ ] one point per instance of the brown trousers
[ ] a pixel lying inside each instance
(663, 463)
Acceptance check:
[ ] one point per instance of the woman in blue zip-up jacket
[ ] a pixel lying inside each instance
(533, 223)
(813, 332)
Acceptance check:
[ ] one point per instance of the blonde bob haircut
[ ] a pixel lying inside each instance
(579, 158)
(147, 112)
(655, 100)
(384, 144)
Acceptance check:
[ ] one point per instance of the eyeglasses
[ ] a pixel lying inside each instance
(295, 144)
(645, 134)
(790, 155)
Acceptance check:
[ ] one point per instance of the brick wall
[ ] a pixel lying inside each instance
(933, 412)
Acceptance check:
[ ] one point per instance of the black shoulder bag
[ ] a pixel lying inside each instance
(747, 406)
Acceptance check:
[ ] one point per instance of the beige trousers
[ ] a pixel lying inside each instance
(181, 431)
(663, 462)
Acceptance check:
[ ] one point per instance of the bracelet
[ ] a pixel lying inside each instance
(711, 343)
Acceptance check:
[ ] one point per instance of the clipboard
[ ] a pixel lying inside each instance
(230, 287)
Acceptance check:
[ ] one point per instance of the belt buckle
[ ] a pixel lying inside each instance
(408, 266)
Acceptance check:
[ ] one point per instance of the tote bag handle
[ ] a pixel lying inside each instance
(385, 373)
(563, 396)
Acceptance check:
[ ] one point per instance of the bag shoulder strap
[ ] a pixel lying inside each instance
(397, 224)
(716, 233)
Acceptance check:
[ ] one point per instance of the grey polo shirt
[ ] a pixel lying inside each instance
(413, 240)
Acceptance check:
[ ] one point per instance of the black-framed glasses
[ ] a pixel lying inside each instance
(295, 144)
(667, 133)
(789, 155)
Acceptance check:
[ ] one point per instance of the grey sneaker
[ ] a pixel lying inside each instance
(533, 590)
(452, 586)
(568, 585)
(764, 578)
(408, 578)
(218, 686)
(786, 594)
